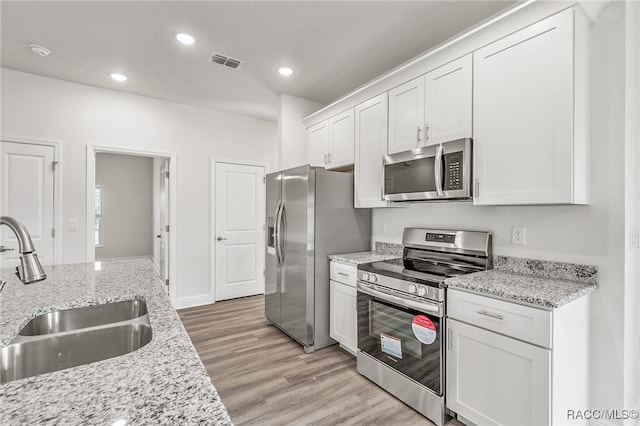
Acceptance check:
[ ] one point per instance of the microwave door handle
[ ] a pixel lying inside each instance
(438, 169)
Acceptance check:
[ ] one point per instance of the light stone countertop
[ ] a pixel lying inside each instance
(162, 383)
(543, 292)
(361, 257)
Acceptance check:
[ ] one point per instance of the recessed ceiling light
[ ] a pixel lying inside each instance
(36, 49)
(185, 38)
(286, 71)
(118, 77)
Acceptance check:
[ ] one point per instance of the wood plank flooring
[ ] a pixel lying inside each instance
(265, 378)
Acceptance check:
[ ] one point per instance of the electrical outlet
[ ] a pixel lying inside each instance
(518, 235)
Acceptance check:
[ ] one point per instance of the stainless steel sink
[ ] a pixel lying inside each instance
(89, 316)
(77, 339)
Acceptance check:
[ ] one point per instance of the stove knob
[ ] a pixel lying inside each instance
(373, 278)
(365, 276)
(422, 291)
(411, 288)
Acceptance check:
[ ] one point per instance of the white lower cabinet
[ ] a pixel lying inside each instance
(496, 380)
(343, 319)
(510, 364)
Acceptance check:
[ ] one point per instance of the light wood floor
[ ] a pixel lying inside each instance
(265, 378)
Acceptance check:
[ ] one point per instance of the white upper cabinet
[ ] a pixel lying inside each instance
(341, 139)
(406, 116)
(330, 143)
(530, 144)
(370, 147)
(448, 102)
(318, 144)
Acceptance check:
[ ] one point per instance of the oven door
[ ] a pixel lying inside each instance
(408, 339)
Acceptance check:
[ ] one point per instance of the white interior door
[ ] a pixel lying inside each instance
(28, 195)
(239, 230)
(164, 224)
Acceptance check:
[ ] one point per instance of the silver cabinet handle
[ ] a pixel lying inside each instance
(3, 249)
(477, 193)
(426, 133)
(220, 238)
(418, 137)
(489, 314)
(343, 274)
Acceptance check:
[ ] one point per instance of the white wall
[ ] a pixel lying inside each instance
(76, 115)
(292, 149)
(127, 205)
(632, 206)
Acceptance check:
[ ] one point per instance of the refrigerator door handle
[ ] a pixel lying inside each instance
(282, 233)
(277, 233)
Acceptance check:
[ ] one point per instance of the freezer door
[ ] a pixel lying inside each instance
(296, 312)
(272, 267)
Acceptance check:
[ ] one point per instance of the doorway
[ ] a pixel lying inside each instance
(238, 232)
(163, 210)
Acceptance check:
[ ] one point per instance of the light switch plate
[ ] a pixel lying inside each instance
(72, 224)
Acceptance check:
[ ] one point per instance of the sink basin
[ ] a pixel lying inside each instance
(89, 316)
(74, 337)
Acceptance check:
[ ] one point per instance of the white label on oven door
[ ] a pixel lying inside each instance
(391, 345)
(424, 329)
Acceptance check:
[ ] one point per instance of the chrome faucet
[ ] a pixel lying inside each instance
(30, 270)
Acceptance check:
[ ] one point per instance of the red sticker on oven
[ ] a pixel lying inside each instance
(424, 329)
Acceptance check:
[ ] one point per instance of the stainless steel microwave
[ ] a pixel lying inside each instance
(430, 173)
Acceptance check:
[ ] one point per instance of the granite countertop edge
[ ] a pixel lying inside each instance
(361, 257)
(548, 293)
(163, 382)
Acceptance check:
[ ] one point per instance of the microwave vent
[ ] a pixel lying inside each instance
(227, 61)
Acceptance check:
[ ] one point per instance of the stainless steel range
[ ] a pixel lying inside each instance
(401, 314)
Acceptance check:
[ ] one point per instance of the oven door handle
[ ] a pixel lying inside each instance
(433, 308)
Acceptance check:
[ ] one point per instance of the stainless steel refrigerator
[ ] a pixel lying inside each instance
(310, 215)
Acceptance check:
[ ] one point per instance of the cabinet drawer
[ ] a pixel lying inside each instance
(518, 321)
(346, 274)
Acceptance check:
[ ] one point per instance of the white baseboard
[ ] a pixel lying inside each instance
(189, 302)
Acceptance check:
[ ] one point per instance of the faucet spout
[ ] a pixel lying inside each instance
(30, 270)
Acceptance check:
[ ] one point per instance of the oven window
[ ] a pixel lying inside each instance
(403, 338)
(410, 176)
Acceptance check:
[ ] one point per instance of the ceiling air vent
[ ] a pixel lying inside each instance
(227, 61)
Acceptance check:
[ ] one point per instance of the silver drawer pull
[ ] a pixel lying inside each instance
(488, 314)
(343, 274)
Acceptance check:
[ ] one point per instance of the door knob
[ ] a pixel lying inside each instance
(220, 238)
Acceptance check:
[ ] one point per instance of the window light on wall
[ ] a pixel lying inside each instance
(98, 217)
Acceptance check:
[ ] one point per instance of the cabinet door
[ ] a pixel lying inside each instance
(406, 113)
(371, 146)
(343, 320)
(318, 144)
(341, 139)
(496, 380)
(448, 102)
(523, 115)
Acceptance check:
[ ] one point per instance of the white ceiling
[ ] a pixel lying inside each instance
(333, 46)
